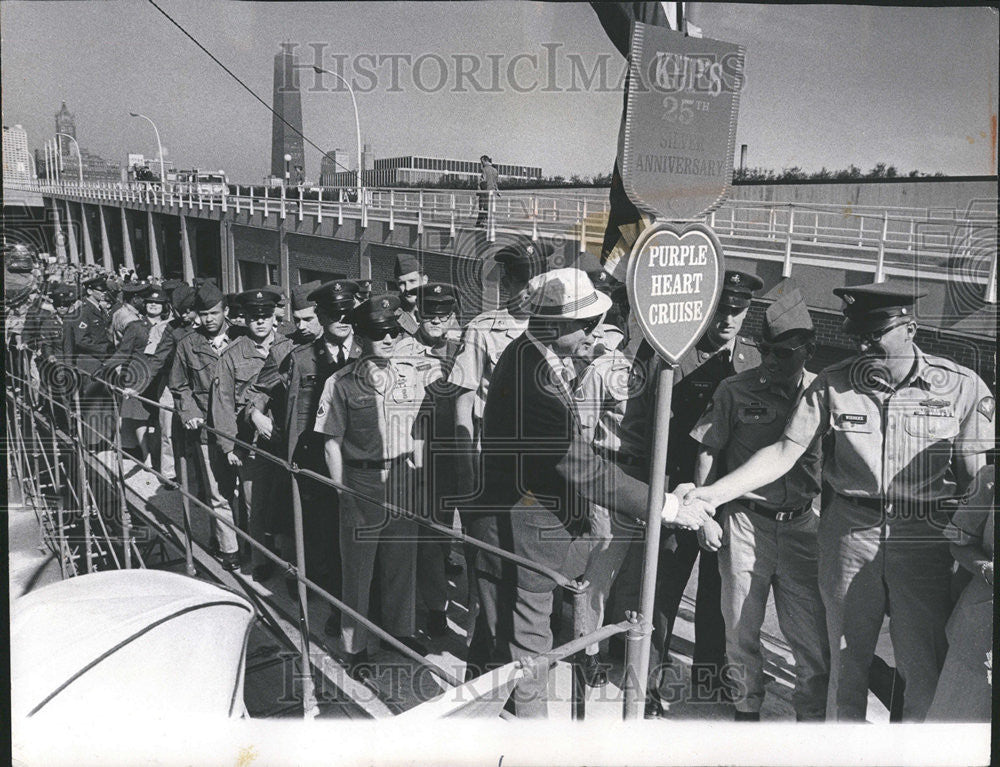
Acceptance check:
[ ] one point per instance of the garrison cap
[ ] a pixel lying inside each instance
(97, 282)
(436, 299)
(155, 294)
(171, 285)
(376, 313)
(738, 288)
(525, 257)
(607, 284)
(786, 315)
(207, 297)
(301, 295)
(259, 300)
(63, 294)
(182, 299)
(335, 296)
(406, 263)
(871, 308)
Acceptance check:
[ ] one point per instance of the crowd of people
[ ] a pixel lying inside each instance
(852, 493)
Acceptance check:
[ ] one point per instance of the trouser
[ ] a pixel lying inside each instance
(432, 553)
(166, 422)
(366, 529)
(217, 480)
(489, 586)
(869, 561)
(758, 555)
(258, 478)
(531, 634)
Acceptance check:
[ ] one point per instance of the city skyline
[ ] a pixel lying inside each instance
(910, 87)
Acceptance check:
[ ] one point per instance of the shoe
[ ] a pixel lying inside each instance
(262, 572)
(412, 642)
(359, 667)
(332, 626)
(437, 623)
(230, 560)
(594, 672)
(654, 708)
(747, 716)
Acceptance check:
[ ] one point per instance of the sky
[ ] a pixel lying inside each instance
(825, 85)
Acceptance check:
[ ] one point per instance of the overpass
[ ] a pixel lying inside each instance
(249, 236)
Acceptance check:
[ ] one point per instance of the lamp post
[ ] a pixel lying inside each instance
(357, 121)
(159, 146)
(79, 155)
(288, 172)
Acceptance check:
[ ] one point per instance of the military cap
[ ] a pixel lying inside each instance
(335, 296)
(258, 300)
(132, 289)
(871, 308)
(436, 299)
(788, 314)
(525, 257)
(96, 282)
(155, 294)
(406, 263)
(377, 313)
(607, 284)
(208, 297)
(301, 295)
(171, 285)
(738, 288)
(182, 299)
(63, 294)
(364, 289)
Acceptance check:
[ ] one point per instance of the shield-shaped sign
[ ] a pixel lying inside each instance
(676, 144)
(674, 282)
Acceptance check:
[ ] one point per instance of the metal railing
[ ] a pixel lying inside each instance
(886, 237)
(30, 400)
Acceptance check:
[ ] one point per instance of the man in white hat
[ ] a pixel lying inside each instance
(538, 466)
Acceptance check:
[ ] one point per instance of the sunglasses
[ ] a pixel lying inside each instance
(590, 325)
(781, 352)
(876, 335)
(379, 335)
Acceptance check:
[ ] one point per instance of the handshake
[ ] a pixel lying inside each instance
(693, 508)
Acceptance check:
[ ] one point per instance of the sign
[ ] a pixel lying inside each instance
(674, 281)
(676, 145)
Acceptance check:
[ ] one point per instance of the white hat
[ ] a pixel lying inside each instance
(566, 294)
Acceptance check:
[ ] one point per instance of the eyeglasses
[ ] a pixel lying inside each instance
(781, 352)
(875, 336)
(342, 317)
(439, 319)
(379, 335)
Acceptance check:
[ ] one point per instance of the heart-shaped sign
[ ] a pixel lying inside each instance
(674, 281)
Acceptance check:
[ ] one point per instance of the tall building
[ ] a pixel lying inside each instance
(337, 161)
(16, 158)
(286, 124)
(65, 123)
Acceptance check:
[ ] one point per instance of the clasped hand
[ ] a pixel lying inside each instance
(695, 510)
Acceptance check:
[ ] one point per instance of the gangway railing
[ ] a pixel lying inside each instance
(65, 397)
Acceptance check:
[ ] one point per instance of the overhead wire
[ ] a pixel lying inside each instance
(246, 87)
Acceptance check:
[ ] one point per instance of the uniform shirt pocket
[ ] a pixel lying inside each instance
(756, 414)
(362, 419)
(930, 427)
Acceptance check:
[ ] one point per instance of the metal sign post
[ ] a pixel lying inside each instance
(674, 282)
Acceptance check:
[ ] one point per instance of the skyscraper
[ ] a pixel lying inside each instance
(16, 159)
(65, 123)
(286, 124)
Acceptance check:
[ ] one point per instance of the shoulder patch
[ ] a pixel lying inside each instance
(987, 406)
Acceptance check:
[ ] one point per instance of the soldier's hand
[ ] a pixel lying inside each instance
(692, 513)
(710, 536)
(264, 425)
(129, 392)
(234, 460)
(194, 423)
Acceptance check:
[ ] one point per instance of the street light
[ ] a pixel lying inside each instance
(357, 121)
(159, 146)
(288, 172)
(78, 154)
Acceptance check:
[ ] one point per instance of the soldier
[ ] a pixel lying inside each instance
(719, 353)
(236, 371)
(192, 373)
(133, 359)
(483, 341)
(364, 291)
(132, 309)
(432, 354)
(367, 413)
(234, 312)
(289, 388)
(409, 276)
(769, 542)
(903, 430)
(86, 344)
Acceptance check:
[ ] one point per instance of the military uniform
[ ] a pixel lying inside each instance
(127, 313)
(369, 409)
(888, 462)
(192, 374)
(770, 544)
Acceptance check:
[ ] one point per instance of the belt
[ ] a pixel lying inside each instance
(778, 515)
(874, 504)
(623, 459)
(385, 463)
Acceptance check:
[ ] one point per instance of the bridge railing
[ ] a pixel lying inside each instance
(904, 237)
(46, 425)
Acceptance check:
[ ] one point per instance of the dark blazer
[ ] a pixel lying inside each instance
(533, 446)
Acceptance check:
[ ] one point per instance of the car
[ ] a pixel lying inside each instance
(19, 258)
